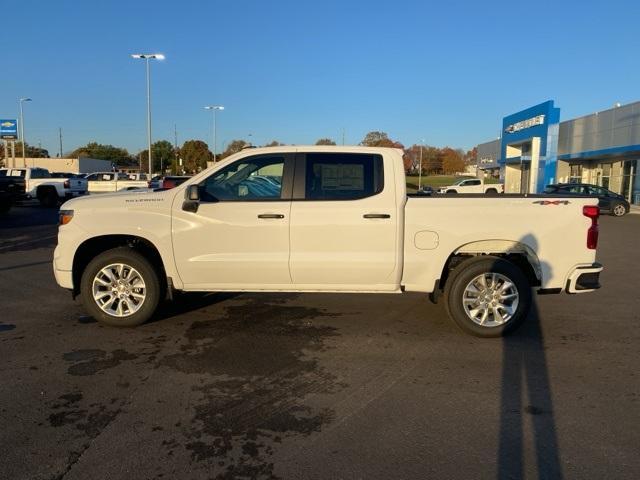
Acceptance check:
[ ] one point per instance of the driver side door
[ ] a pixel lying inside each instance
(239, 236)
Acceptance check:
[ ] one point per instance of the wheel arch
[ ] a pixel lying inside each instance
(94, 246)
(516, 252)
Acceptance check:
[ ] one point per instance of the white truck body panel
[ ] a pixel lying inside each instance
(329, 245)
(106, 182)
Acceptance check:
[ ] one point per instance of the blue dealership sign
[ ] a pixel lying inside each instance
(8, 129)
(542, 121)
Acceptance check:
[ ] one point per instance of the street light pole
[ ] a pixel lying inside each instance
(420, 168)
(146, 57)
(22, 100)
(214, 109)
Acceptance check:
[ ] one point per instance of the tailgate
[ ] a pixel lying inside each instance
(77, 184)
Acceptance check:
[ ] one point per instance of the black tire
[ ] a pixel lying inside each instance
(469, 270)
(5, 206)
(618, 210)
(451, 192)
(491, 191)
(149, 274)
(48, 198)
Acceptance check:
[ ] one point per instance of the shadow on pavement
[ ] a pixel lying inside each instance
(526, 392)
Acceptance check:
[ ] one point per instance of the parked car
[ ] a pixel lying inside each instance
(101, 182)
(174, 181)
(155, 182)
(11, 189)
(472, 185)
(49, 191)
(425, 190)
(329, 219)
(66, 175)
(608, 201)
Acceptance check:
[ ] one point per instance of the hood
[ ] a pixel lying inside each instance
(127, 198)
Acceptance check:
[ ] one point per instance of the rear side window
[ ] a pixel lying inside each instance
(342, 176)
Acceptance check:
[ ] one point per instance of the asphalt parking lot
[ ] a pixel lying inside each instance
(315, 386)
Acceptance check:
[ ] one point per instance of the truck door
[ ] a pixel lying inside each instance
(239, 235)
(343, 223)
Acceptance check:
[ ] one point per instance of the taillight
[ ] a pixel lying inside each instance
(67, 184)
(592, 212)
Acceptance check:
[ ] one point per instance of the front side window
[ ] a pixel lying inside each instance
(575, 189)
(601, 192)
(253, 178)
(342, 176)
(38, 173)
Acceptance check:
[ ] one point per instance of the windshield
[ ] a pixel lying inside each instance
(462, 180)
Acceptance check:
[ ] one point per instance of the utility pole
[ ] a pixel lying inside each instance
(60, 138)
(175, 147)
(420, 167)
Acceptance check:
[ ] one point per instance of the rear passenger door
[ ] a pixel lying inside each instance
(344, 223)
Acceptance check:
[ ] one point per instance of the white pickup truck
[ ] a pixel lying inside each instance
(472, 185)
(49, 191)
(324, 219)
(101, 182)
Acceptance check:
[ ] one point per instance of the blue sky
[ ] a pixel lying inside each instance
(295, 71)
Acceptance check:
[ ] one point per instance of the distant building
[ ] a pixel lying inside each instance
(64, 165)
(536, 149)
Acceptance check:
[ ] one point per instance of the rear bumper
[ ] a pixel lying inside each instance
(584, 278)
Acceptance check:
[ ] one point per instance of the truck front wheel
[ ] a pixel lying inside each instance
(488, 296)
(120, 288)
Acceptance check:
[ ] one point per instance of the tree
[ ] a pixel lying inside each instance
(452, 161)
(117, 155)
(273, 143)
(325, 141)
(31, 151)
(195, 154)
(163, 155)
(376, 139)
(234, 147)
(379, 139)
(471, 156)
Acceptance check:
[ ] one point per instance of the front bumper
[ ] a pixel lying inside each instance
(63, 277)
(584, 278)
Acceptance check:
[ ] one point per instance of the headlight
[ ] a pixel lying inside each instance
(65, 217)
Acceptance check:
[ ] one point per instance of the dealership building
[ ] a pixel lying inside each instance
(537, 149)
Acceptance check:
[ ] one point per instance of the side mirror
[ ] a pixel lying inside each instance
(193, 193)
(191, 199)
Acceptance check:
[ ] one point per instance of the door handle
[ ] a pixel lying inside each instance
(376, 215)
(270, 215)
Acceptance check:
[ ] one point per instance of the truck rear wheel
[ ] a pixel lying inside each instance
(48, 197)
(488, 296)
(120, 288)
